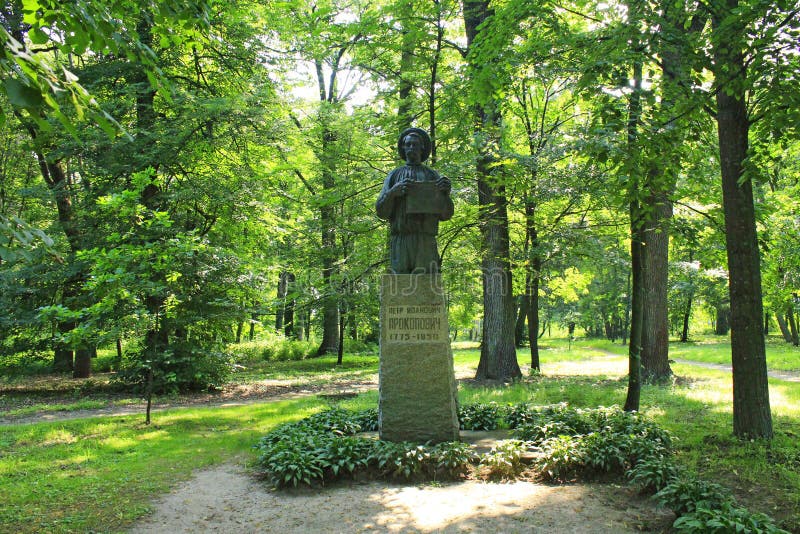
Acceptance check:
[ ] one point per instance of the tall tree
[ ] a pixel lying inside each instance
(677, 29)
(498, 354)
(751, 408)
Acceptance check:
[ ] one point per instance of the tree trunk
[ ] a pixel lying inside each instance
(626, 322)
(281, 298)
(787, 336)
(533, 271)
(522, 313)
(637, 316)
(723, 322)
(790, 319)
(83, 364)
(752, 417)
(239, 330)
(62, 359)
(405, 86)
(655, 333)
(687, 314)
(288, 308)
(532, 295)
(328, 161)
(498, 354)
(340, 348)
(637, 228)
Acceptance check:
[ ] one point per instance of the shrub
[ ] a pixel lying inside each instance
(561, 457)
(367, 419)
(343, 454)
(479, 416)
(400, 460)
(504, 458)
(184, 367)
(685, 494)
(538, 432)
(453, 458)
(554, 420)
(725, 519)
(653, 473)
(357, 346)
(520, 414)
(289, 455)
(281, 350)
(605, 451)
(335, 420)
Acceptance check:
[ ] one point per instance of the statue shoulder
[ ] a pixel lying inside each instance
(393, 175)
(430, 173)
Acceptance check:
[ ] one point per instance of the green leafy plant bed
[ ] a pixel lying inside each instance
(561, 443)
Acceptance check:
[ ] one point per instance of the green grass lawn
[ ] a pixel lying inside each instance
(102, 473)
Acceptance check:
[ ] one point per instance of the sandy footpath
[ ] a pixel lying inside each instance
(226, 499)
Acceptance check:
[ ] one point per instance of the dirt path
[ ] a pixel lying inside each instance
(275, 390)
(226, 499)
(789, 376)
(233, 395)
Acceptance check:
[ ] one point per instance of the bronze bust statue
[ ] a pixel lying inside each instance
(414, 199)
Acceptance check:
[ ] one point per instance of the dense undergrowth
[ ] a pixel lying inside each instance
(560, 443)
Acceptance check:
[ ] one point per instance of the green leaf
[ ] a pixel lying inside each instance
(21, 95)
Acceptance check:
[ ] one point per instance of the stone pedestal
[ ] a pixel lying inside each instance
(417, 385)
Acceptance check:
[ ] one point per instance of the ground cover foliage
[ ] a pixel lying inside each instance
(564, 444)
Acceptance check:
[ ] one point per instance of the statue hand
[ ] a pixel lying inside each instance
(443, 183)
(398, 189)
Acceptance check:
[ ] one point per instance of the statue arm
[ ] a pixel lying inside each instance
(448, 210)
(385, 203)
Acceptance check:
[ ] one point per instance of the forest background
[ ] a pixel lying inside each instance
(176, 179)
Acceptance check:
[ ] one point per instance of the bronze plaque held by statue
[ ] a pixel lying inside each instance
(424, 197)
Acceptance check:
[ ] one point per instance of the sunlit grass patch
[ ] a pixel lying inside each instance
(100, 474)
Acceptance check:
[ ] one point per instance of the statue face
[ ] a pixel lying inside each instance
(412, 146)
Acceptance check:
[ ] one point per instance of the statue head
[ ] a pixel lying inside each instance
(414, 145)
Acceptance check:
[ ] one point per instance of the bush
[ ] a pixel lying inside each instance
(479, 416)
(283, 350)
(520, 414)
(453, 458)
(727, 518)
(367, 419)
(289, 455)
(357, 346)
(337, 421)
(601, 440)
(561, 457)
(685, 494)
(504, 458)
(707, 507)
(183, 367)
(400, 460)
(344, 454)
(654, 473)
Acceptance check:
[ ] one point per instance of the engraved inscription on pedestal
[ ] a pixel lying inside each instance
(415, 324)
(417, 385)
